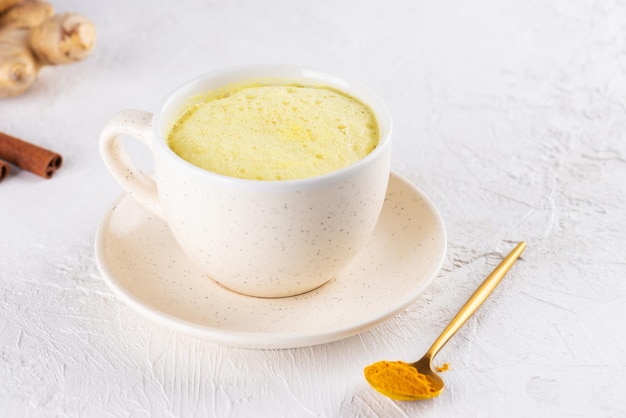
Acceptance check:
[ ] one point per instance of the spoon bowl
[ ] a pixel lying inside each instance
(417, 381)
(424, 366)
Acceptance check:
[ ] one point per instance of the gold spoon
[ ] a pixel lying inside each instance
(413, 381)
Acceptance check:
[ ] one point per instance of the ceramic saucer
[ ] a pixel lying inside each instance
(144, 266)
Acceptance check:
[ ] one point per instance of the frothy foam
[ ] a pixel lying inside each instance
(277, 132)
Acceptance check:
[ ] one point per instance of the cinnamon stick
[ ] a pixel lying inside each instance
(4, 169)
(29, 156)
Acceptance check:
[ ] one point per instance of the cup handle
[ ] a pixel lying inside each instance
(138, 125)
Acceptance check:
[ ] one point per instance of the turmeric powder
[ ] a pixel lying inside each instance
(443, 368)
(399, 380)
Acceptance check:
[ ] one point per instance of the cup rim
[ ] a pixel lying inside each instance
(276, 72)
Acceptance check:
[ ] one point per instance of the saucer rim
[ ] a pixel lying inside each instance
(271, 340)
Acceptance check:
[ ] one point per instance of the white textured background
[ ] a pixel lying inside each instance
(510, 115)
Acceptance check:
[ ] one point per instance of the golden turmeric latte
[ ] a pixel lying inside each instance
(398, 380)
(274, 132)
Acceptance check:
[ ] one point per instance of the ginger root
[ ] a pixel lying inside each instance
(32, 36)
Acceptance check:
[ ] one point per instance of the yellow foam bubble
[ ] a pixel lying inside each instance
(276, 132)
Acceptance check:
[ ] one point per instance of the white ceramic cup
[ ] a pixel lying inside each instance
(259, 238)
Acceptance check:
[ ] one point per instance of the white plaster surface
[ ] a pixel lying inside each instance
(511, 116)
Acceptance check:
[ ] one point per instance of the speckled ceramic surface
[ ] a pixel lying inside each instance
(144, 266)
(260, 238)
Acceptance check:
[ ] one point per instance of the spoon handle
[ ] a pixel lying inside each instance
(477, 299)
